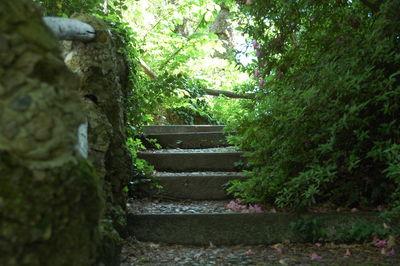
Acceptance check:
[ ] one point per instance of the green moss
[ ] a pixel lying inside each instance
(110, 246)
(51, 220)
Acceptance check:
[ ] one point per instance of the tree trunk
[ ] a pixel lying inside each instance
(50, 201)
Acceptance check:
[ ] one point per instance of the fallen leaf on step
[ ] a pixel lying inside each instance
(278, 245)
(154, 245)
(391, 241)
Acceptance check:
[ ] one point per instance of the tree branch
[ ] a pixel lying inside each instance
(212, 92)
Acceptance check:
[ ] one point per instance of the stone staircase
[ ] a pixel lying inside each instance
(196, 164)
(194, 168)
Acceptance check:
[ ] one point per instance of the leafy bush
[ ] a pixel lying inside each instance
(174, 99)
(310, 230)
(324, 125)
(66, 8)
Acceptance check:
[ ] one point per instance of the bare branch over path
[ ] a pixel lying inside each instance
(212, 92)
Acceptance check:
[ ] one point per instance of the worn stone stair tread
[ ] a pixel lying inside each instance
(195, 185)
(189, 160)
(199, 174)
(166, 206)
(227, 228)
(194, 150)
(155, 129)
(187, 140)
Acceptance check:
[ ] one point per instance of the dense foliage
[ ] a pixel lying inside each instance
(174, 38)
(324, 126)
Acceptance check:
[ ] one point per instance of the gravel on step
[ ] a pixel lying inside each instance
(145, 253)
(209, 150)
(148, 206)
(204, 173)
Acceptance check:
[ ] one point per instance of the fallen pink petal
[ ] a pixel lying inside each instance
(249, 252)
(255, 208)
(278, 250)
(315, 256)
(234, 206)
(318, 244)
(348, 252)
(380, 243)
(391, 252)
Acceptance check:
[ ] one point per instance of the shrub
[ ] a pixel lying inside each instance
(324, 125)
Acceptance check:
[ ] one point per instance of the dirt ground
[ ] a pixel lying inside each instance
(141, 253)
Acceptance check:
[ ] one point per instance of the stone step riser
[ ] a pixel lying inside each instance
(194, 161)
(194, 140)
(237, 228)
(200, 187)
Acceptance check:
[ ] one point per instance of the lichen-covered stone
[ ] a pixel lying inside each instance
(50, 199)
(103, 85)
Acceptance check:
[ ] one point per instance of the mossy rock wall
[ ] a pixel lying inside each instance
(50, 199)
(104, 88)
(103, 80)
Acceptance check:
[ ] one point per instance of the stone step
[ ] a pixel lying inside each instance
(194, 185)
(187, 140)
(229, 228)
(177, 160)
(156, 129)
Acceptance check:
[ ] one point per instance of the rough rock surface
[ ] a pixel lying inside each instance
(102, 73)
(103, 85)
(50, 201)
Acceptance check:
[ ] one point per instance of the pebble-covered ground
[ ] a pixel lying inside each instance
(140, 253)
(208, 150)
(184, 206)
(165, 206)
